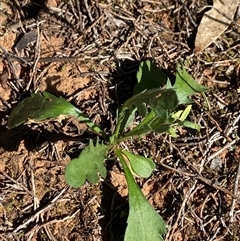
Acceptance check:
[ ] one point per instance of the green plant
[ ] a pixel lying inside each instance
(156, 100)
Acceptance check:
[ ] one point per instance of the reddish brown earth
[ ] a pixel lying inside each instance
(192, 189)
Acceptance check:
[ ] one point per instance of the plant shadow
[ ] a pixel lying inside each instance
(115, 209)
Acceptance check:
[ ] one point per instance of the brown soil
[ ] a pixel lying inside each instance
(89, 52)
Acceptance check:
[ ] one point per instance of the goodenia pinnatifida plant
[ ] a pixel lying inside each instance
(157, 101)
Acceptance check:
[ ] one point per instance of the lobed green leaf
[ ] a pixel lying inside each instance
(39, 107)
(87, 166)
(186, 86)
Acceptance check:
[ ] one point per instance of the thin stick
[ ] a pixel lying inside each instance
(235, 192)
(36, 58)
(36, 228)
(54, 59)
(36, 215)
(201, 178)
(9, 60)
(222, 149)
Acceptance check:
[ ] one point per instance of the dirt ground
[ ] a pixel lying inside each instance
(89, 52)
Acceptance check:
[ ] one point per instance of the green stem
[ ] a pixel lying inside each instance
(95, 128)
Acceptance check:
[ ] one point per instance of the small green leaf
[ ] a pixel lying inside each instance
(181, 115)
(185, 113)
(87, 166)
(141, 165)
(176, 115)
(172, 132)
(191, 125)
(144, 223)
(149, 76)
(186, 86)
